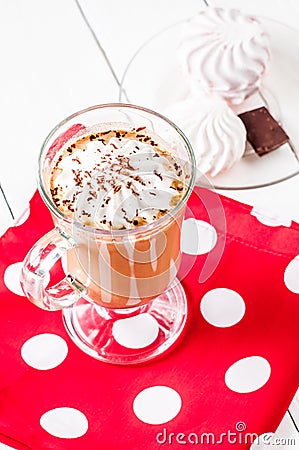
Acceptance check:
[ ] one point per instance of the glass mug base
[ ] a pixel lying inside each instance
(128, 336)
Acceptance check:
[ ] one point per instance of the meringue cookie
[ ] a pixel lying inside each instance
(216, 133)
(224, 52)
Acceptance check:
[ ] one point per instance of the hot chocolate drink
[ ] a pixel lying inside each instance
(124, 182)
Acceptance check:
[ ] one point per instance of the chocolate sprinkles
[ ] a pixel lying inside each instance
(120, 175)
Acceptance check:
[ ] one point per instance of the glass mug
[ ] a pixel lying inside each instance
(121, 300)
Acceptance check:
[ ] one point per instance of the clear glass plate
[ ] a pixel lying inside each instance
(153, 79)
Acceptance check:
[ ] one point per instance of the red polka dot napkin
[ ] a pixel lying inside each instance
(228, 380)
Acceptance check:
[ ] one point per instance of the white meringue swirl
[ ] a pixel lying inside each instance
(225, 52)
(217, 134)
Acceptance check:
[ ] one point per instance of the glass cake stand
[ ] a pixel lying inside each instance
(163, 84)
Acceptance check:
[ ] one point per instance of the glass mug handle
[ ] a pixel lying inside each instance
(36, 273)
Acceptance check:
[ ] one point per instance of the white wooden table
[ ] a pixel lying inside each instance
(54, 63)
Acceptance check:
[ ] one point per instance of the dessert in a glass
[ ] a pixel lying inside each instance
(116, 179)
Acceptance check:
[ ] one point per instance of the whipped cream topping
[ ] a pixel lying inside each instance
(217, 134)
(116, 182)
(224, 52)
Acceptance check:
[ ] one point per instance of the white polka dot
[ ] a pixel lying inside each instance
(136, 332)
(198, 237)
(291, 275)
(262, 442)
(157, 404)
(270, 218)
(12, 278)
(222, 307)
(248, 374)
(23, 217)
(44, 351)
(68, 423)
